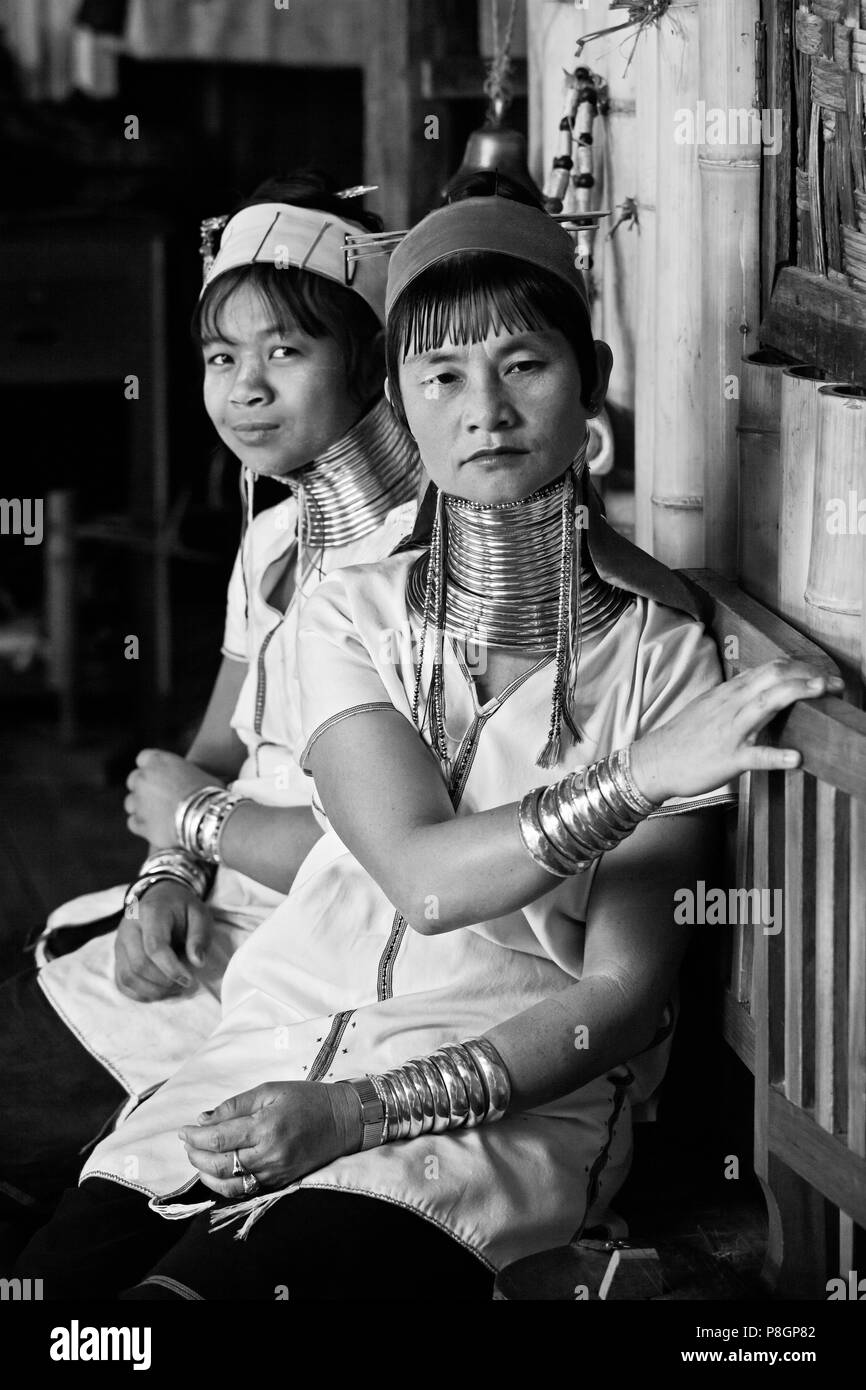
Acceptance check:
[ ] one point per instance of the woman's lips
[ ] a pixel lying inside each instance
(493, 455)
(255, 432)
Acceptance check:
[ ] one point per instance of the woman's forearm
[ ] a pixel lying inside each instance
(442, 871)
(467, 869)
(568, 1040)
(269, 843)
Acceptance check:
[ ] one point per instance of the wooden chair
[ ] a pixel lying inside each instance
(795, 1005)
(794, 1008)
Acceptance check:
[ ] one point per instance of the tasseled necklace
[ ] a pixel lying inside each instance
(512, 574)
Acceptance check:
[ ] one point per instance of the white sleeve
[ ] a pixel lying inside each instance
(681, 664)
(235, 631)
(338, 677)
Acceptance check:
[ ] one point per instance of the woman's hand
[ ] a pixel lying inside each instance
(280, 1131)
(713, 739)
(148, 949)
(156, 784)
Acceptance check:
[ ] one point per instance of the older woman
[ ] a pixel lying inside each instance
(512, 732)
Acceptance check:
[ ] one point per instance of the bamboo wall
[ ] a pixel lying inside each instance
(553, 29)
(753, 470)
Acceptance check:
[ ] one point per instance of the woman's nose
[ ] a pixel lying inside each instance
(250, 386)
(488, 406)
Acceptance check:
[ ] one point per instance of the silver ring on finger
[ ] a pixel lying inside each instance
(249, 1180)
(252, 1186)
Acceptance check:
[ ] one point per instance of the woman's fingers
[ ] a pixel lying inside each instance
(762, 758)
(220, 1165)
(135, 975)
(198, 929)
(781, 669)
(244, 1103)
(223, 1138)
(762, 706)
(155, 937)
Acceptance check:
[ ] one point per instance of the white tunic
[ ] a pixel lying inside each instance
(143, 1043)
(336, 983)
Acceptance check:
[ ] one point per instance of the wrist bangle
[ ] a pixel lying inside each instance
(536, 842)
(201, 819)
(179, 864)
(568, 825)
(473, 1085)
(136, 891)
(187, 816)
(460, 1085)
(621, 769)
(497, 1083)
(372, 1112)
(378, 1085)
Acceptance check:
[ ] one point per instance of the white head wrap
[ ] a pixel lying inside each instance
(287, 236)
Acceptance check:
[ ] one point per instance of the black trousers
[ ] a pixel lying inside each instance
(104, 1242)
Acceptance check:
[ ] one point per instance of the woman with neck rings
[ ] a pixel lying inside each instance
(472, 982)
(293, 367)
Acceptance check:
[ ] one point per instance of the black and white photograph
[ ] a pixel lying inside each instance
(432, 676)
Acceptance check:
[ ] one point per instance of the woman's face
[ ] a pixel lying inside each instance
(277, 399)
(495, 420)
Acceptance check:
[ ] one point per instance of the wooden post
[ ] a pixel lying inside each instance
(729, 159)
(678, 479)
(388, 110)
(646, 98)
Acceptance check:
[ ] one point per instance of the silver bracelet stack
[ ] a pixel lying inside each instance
(460, 1085)
(176, 865)
(568, 825)
(200, 820)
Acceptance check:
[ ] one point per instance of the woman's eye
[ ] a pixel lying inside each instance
(525, 364)
(283, 351)
(218, 359)
(440, 379)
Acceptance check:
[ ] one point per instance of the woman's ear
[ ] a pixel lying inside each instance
(604, 365)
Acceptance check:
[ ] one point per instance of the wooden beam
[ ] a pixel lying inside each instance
(819, 321)
(822, 1159)
(761, 636)
(463, 76)
(778, 222)
(738, 1028)
(388, 112)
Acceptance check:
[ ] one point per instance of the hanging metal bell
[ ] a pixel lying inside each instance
(495, 148)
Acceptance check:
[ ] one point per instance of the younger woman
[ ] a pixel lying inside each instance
(291, 338)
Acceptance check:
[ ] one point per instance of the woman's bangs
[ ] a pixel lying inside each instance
(463, 303)
(284, 306)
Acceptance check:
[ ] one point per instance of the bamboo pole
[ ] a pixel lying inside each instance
(729, 160)
(834, 589)
(677, 496)
(798, 431)
(646, 153)
(760, 473)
